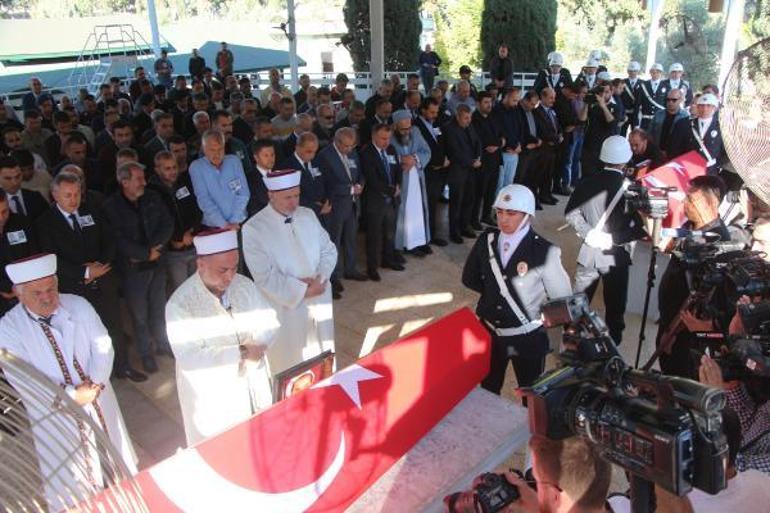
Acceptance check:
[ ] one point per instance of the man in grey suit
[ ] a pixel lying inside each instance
(515, 270)
(596, 210)
(343, 181)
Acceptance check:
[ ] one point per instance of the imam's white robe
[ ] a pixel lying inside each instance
(278, 254)
(79, 332)
(213, 394)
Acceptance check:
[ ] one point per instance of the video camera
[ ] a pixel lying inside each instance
(652, 201)
(663, 430)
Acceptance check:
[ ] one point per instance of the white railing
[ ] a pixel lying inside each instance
(360, 82)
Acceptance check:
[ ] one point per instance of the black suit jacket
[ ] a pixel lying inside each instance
(683, 139)
(549, 132)
(463, 146)
(73, 251)
(336, 180)
(34, 204)
(544, 80)
(435, 139)
(17, 240)
(312, 188)
(149, 150)
(379, 190)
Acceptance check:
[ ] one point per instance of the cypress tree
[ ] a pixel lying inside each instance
(402, 33)
(528, 27)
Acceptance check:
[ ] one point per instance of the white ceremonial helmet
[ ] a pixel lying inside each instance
(677, 66)
(591, 63)
(616, 150)
(516, 197)
(657, 66)
(708, 99)
(596, 55)
(634, 66)
(604, 76)
(555, 59)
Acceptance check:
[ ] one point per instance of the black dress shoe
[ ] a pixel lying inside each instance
(561, 191)
(548, 200)
(538, 206)
(374, 275)
(456, 239)
(149, 365)
(426, 249)
(336, 295)
(477, 226)
(399, 258)
(356, 276)
(132, 374)
(394, 266)
(417, 252)
(337, 287)
(438, 242)
(468, 234)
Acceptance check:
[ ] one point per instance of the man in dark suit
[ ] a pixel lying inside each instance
(142, 226)
(463, 149)
(436, 169)
(313, 191)
(550, 132)
(121, 135)
(54, 145)
(142, 120)
(164, 130)
(528, 139)
(29, 101)
(85, 251)
(382, 174)
(17, 240)
(701, 134)
(339, 167)
(383, 110)
(491, 139)
(264, 153)
(29, 204)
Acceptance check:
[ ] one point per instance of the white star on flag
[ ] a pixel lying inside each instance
(348, 379)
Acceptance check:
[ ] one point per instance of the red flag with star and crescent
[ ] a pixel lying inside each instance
(322, 448)
(676, 173)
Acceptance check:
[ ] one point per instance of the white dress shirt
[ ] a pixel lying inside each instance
(507, 243)
(703, 126)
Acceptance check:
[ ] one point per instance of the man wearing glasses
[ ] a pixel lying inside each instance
(664, 120)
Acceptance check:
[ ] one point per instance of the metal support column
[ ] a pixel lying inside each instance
(377, 33)
(735, 13)
(656, 10)
(154, 28)
(293, 62)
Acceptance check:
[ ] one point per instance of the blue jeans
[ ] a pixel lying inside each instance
(571, 173)
(507, 171)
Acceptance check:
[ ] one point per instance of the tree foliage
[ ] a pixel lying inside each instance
(528, 27)
(402, 33)
(458, 24)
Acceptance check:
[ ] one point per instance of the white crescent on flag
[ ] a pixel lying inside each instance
(193, 486)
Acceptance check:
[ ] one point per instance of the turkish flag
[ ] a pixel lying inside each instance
(676, 173)
(322, 448)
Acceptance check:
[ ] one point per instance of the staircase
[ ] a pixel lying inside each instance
(110, 50)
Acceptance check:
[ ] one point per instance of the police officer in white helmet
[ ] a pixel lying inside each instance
(675, 81)
(555, 76)
(515, 270)
(596, 210)
(630, 96)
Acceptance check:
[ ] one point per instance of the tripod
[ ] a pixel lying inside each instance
(656, 222)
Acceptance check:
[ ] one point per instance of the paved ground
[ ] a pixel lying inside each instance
(369, 316)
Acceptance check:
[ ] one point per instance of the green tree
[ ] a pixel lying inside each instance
(458, 23)
(402, 33)
(528, 27)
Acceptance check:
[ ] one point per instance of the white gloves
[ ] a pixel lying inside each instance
(599, 240)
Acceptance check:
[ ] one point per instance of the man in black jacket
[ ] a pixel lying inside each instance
(701, 133)
(508, 119)
(29, 204)
(177, 191)
(491, 139)
(463, 149)
(85, 251)
(142, 226)
(313, 191)
(17, 240)
(501, 68)
(382, 174)
(164, 130)
(436, 169)
(550, 132)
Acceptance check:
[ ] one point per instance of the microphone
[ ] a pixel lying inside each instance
(681, 233)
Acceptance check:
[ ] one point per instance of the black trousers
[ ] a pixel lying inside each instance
(615, 281)
(343, 227)
(435, 181)
(462, 184)
(103, 294)
(380, 235)
(542, 176)
(527, 366)
(485, 186)
(525, 170)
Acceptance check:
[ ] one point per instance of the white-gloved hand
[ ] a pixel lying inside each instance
(598, 239)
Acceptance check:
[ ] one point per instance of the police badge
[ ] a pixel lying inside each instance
(522, 268)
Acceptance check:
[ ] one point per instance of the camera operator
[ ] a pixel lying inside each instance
(701, 208)
(601, 117)
(516, 271)
(596, 210)
(569, 477)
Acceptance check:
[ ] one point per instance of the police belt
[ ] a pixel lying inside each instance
(648, 116)
(518, 330)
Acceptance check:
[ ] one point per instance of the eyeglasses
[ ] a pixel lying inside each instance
(672, 99)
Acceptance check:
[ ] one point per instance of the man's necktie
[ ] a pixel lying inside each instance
(75, 224)
(287, 220)
(387, 165)
(19, 207)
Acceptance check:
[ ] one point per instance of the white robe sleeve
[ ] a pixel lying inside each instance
(281, 288)
(187, 337)
(328, 254)
(100, 345)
